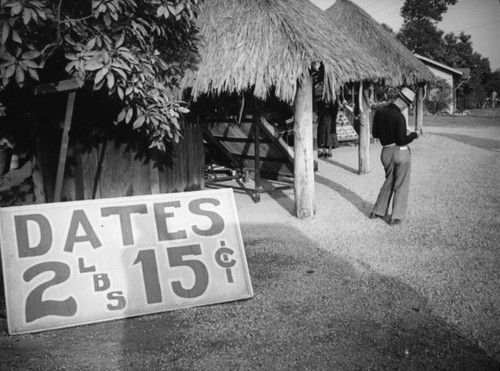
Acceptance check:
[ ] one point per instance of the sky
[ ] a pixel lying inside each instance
(478, 18)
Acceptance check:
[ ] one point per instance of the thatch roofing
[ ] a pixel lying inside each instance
(264, 44)
(403, 66)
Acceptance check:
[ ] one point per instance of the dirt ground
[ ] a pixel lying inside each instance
(339, 291)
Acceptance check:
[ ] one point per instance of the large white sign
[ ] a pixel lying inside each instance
(72, 263)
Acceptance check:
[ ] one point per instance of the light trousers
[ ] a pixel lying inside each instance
(397, 166)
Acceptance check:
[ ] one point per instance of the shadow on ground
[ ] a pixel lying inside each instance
(311, 310)
(362, 205)
(287, 203)
(341, 165)
(483, 143)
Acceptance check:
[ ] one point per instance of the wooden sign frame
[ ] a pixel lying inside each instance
(74, 263)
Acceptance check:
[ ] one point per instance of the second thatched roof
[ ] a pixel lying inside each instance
(270, 44)
(403, 67)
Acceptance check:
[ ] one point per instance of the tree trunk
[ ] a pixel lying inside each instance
(303, 150)
(364, 129)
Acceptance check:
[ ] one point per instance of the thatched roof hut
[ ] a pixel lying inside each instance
(400, 64)
(266, 44)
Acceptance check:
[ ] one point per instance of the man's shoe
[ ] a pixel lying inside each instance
(395, 222)
(374, 216)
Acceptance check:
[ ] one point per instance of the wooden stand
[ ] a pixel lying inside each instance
(250, 146)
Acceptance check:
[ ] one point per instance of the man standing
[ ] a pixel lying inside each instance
(389, 125)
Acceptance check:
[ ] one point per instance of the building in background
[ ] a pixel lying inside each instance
(453, 76)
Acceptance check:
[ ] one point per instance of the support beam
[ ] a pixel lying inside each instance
(364, 129)
(64, 146)
(58, 87)
(303, 150)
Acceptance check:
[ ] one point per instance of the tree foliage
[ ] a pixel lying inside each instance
(421, 37)
(420, 34)
(439, 96)
(431, 10)
(493, 82)
(133, 51)
(458, 52)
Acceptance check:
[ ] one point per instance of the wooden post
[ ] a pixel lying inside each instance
(303, 149)
(79, 176)
(154, 177)
(64, 146)
(364, 129)
(39, 193)
(258, 187)
(70, 86)
(419, 109)
(315, 142)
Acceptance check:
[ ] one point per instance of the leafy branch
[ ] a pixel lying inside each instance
(134, 51)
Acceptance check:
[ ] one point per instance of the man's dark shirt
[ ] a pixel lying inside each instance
(389, 125)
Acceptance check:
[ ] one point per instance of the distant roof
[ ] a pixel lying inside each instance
(456, 71)
(264, 44)
(465, 73)
(403, 67)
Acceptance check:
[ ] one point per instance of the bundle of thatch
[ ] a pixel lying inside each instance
(400, 64)
(259, 45)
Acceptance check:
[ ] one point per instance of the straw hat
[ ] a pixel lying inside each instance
(407, 95)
